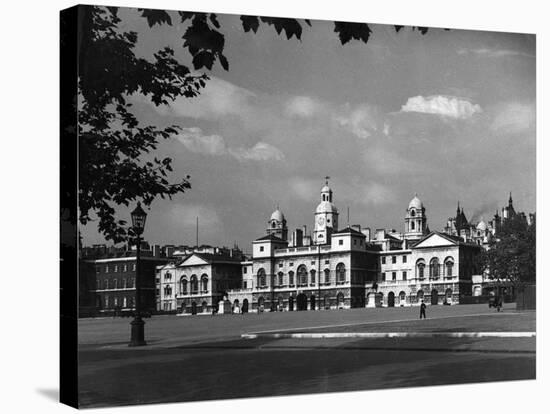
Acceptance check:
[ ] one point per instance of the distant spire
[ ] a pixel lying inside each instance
(510, 199)
(326, 179)
(458, 207)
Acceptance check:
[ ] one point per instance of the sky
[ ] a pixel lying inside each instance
(449, 115)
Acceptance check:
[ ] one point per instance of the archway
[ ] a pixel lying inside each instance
(193, 308)
(204, 307)
(340, 300)
(402, 298)
(236, 306)
(245, 306)
(434, 298)
(291, 303)
(312, 302)
(449, 296)
(301, 302)
(391, 300)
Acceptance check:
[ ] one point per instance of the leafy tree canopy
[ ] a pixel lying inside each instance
(113, 167)
(512, 253)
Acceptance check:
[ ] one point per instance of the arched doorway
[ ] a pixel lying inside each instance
(204, 307)
(312, 302)
(340, 300)
(391, 300)
(194, 308)
(301, 302)
(291, 303)
(434, 297)
(402, 298)
(245, 306)
(449, 296)
(236, 307)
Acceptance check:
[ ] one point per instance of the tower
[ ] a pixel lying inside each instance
(326, 217)
(415, 220)
(277, 225)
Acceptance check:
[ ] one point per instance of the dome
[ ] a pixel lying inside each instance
(416, 203)
(326, 207)
(277, 215)
(326, 189)
(481, 226)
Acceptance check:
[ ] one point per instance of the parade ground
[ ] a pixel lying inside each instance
(204, 357)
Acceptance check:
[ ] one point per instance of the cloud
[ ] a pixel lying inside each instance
(513, 118)
(214, 145)
(302, 107)
(447, 106)
(218, 99)
(493, 53)
(259, 152)
(362, 121)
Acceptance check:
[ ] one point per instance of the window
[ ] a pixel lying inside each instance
(115, 284)
(393, 275)
(167, 290)
(404, 275)
(413, 213)
(312, 278)
(434, 268)
(98, 284)
(327, 276)
(420, 265)
(327, 261)
(97, 269)
(106, 301)
(412, 225)
(123, 283)
(125, 268)
(312, 262)
(302, 276)
(280, 265)
(355, 242)
(394, 259)
(133, 267)
(281, 279)
(404, 259)
(107, 269)
(124, 302)
(291, 278)
(340, 242)
(261, 248)
(341, 272)
(194, 284)
(449, 265)
(261, 278)
(291, 264)
(245, 270)
(131, 282)
(204, 282)
(167, 276)
(116, 269)
(106, 284)
(244, 284)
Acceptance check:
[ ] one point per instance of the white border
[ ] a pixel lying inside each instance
(29, 207)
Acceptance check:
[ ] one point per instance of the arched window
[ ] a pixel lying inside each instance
(449, 266)
(312, 276)
(327, 276)
(420, 265)
(115, 284)
(434, 268)
(413, 213)
(194, 284)
(281, 278)
(261, 278)
(106, 284)
(204, 283)
(340, 300)
(291, 278)
(341, 272)
(183, 285)
(302, 275)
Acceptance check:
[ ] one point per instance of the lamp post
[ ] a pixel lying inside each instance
(137, 337)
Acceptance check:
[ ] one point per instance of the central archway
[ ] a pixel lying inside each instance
(391, 300)
(434, 297)
(301, 302)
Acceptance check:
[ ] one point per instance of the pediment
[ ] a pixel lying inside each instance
(194, 260)
(435, 240)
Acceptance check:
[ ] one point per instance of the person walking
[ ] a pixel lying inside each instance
(422, 310)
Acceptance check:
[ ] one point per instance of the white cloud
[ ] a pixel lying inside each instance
(448, 106)
(218, 99)
(301, 107)
(361, 121)
(195, 141)
(259, 152)
(514, 117)
(494, 53)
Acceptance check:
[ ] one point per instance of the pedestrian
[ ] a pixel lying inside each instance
(422, 310)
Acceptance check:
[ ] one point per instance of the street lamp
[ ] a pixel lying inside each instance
(137, 325)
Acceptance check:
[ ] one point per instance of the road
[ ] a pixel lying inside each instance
(201, 358)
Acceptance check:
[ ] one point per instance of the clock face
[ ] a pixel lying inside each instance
(320, 220)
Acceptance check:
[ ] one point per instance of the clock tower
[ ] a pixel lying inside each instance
(326, 217)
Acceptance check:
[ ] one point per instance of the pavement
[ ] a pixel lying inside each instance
(202, 358)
